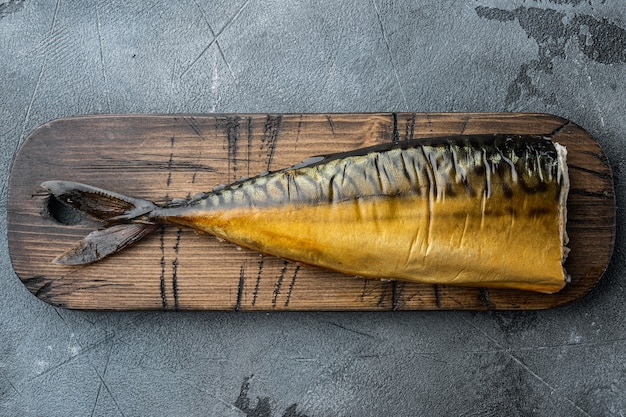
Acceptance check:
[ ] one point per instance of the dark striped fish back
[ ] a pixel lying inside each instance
(438, 168)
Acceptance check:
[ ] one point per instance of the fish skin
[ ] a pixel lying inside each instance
(482, 210)
(439, 166)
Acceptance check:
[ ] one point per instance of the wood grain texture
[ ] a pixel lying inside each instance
(160, 157)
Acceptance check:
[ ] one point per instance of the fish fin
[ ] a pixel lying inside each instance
(100, 243)
(126, 220)
(99, 204)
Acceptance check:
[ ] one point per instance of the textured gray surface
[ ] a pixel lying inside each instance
(556, 56)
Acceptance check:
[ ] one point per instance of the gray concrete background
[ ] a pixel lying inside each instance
(566, 57)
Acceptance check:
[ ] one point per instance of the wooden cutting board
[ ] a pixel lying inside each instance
(160, 157)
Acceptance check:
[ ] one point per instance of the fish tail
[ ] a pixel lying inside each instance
(126, 220)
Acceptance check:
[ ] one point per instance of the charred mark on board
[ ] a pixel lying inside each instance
(232, 138)
(396, 133)
(258, 279)
(409, 133)
(602, 175)
(271, 132)
(396, 295)
(162, 279)
(292, 284)
(279, 283)
(38, 285)
(248, 145)
(331, 123)
(175, 269)
(191, 122)
(437, 295)
(240, 288)
(485, 299)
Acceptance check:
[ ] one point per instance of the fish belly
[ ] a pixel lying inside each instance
(463, 239)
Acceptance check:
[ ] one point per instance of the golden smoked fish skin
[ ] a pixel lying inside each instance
(481, 211)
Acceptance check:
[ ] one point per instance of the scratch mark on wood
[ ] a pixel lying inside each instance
(249, 145)
(56, 294)
(270, 137)
(484, 296)
(559, 129)
(191, 122)
(162, 286)
(38, 285)
(465, 123)
(258, 279)
(298, 131)
(43, 291)
(396, 134)
(138, 166)
(585, 193)
(437, 295)
(600, 157)
(240, 288)
(409, 133)
(169, 173)
(175, 269)
(383, 295)
(364, 289)
(279, 283)
(292, 285)
(170, 163)
(602, 175)
(232, 137)
(397, 288)
(331, 123)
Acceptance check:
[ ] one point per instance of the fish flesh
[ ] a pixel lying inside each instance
(474, 210)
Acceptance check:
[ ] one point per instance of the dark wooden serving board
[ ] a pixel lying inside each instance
(159, 157)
